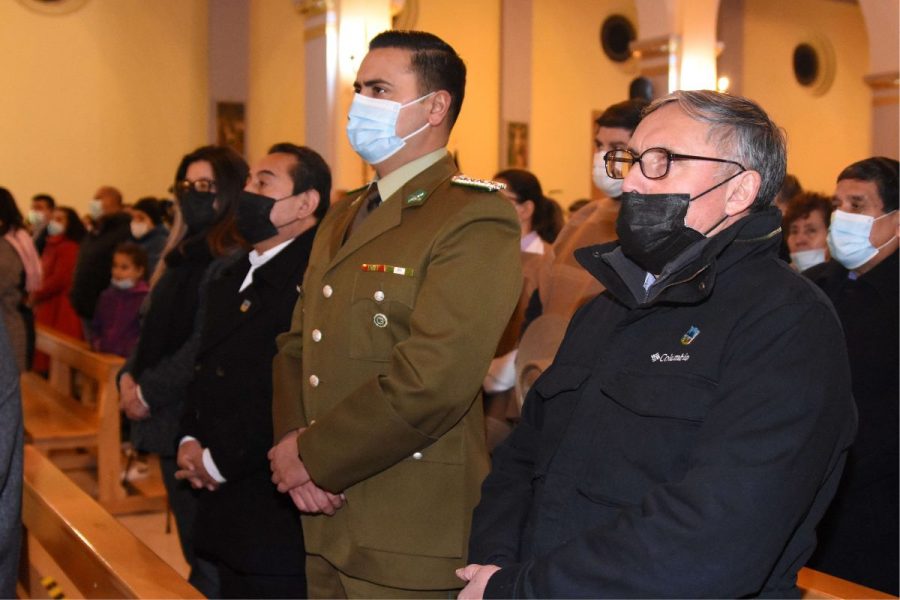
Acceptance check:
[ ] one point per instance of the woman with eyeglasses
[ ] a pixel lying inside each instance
(154, 381)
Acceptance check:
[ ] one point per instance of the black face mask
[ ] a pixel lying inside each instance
(252, 217)
(651, 227)
(197, 209)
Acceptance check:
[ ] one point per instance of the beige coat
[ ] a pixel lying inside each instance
(385, 367)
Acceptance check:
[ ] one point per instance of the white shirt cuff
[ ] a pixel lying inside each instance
(140, 396)
(211, 467)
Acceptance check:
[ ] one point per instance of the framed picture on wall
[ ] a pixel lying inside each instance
(230, 125)
(516, 145)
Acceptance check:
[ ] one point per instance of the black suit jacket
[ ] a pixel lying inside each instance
(246, 523)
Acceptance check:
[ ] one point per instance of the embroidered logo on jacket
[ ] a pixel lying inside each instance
(666, 357)
(690, 335)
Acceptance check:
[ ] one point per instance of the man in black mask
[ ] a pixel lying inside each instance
(244, 525)
(694, 424)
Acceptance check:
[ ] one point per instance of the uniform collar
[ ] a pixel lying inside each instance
(393, 181)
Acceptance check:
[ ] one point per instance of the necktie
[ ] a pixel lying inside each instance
(370, 202)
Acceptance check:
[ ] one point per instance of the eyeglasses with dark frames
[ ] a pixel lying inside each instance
(200, 185)
(654, 162)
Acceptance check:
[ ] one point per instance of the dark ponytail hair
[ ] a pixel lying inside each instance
(547, 219)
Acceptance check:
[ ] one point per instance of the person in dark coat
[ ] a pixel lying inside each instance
(94, 267)
(154, 381)
(693, 427)
(11, 439)
(858, 538)
(244, 525)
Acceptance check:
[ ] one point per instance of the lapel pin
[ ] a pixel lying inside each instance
(416, 197)
(245, 306)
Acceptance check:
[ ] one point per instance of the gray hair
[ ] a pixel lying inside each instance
(741, 129)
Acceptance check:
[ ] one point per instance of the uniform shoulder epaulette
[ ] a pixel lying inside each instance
(480, 184)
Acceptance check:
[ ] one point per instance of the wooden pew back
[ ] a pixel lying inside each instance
(96, 552)
(55, 420)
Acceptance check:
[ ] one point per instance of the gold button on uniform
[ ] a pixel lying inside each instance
(380, 320)
(327, 291)
(313, 381)
(316, 335)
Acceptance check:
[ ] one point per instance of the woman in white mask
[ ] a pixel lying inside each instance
(148, 231)
(805, 226)
(540, 219)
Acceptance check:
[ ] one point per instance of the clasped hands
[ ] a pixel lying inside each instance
(190, 459)
(476, 578)
(129, 403)
(290, 475)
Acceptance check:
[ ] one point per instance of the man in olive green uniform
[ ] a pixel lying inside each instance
(377, 408)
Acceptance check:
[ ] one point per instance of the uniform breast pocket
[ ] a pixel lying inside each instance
(646, 429)
(379, 314)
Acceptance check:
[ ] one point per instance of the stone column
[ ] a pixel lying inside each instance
(881, 18)
(337, 36)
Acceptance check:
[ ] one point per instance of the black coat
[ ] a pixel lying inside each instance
(681, 445)
(246, 523)
(94, 266)
(859, 535)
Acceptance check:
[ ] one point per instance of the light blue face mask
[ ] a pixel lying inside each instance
(372, 127)
(807, 259)
(848, 238)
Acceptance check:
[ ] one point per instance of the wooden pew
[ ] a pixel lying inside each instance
(815, 585)
(55, 419)
(95, 552)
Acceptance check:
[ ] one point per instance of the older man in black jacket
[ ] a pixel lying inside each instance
(244, 525)
(693, 427)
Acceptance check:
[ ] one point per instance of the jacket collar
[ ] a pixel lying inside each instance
(411, 195)
(690, 277)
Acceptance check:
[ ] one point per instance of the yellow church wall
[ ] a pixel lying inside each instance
(828, 132)
(571, 78)
(472, 27)
(275, 104)
(114, 93)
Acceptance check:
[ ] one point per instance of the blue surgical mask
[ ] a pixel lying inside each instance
(848, 238)
(807, 259)
(55, 228)
(122, 284)
(95, 209)
(372, 127)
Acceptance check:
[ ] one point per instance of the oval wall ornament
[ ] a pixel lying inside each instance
(53, 7)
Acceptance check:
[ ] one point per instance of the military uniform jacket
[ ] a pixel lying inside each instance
(388, 347)
(685, 441)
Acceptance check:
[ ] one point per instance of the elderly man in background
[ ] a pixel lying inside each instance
(694, 425)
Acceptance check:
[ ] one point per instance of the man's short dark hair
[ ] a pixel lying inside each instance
(804, 204)
(436, 64)
(51, 202)
(623, 115)
(310, 172)
(880, 170)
